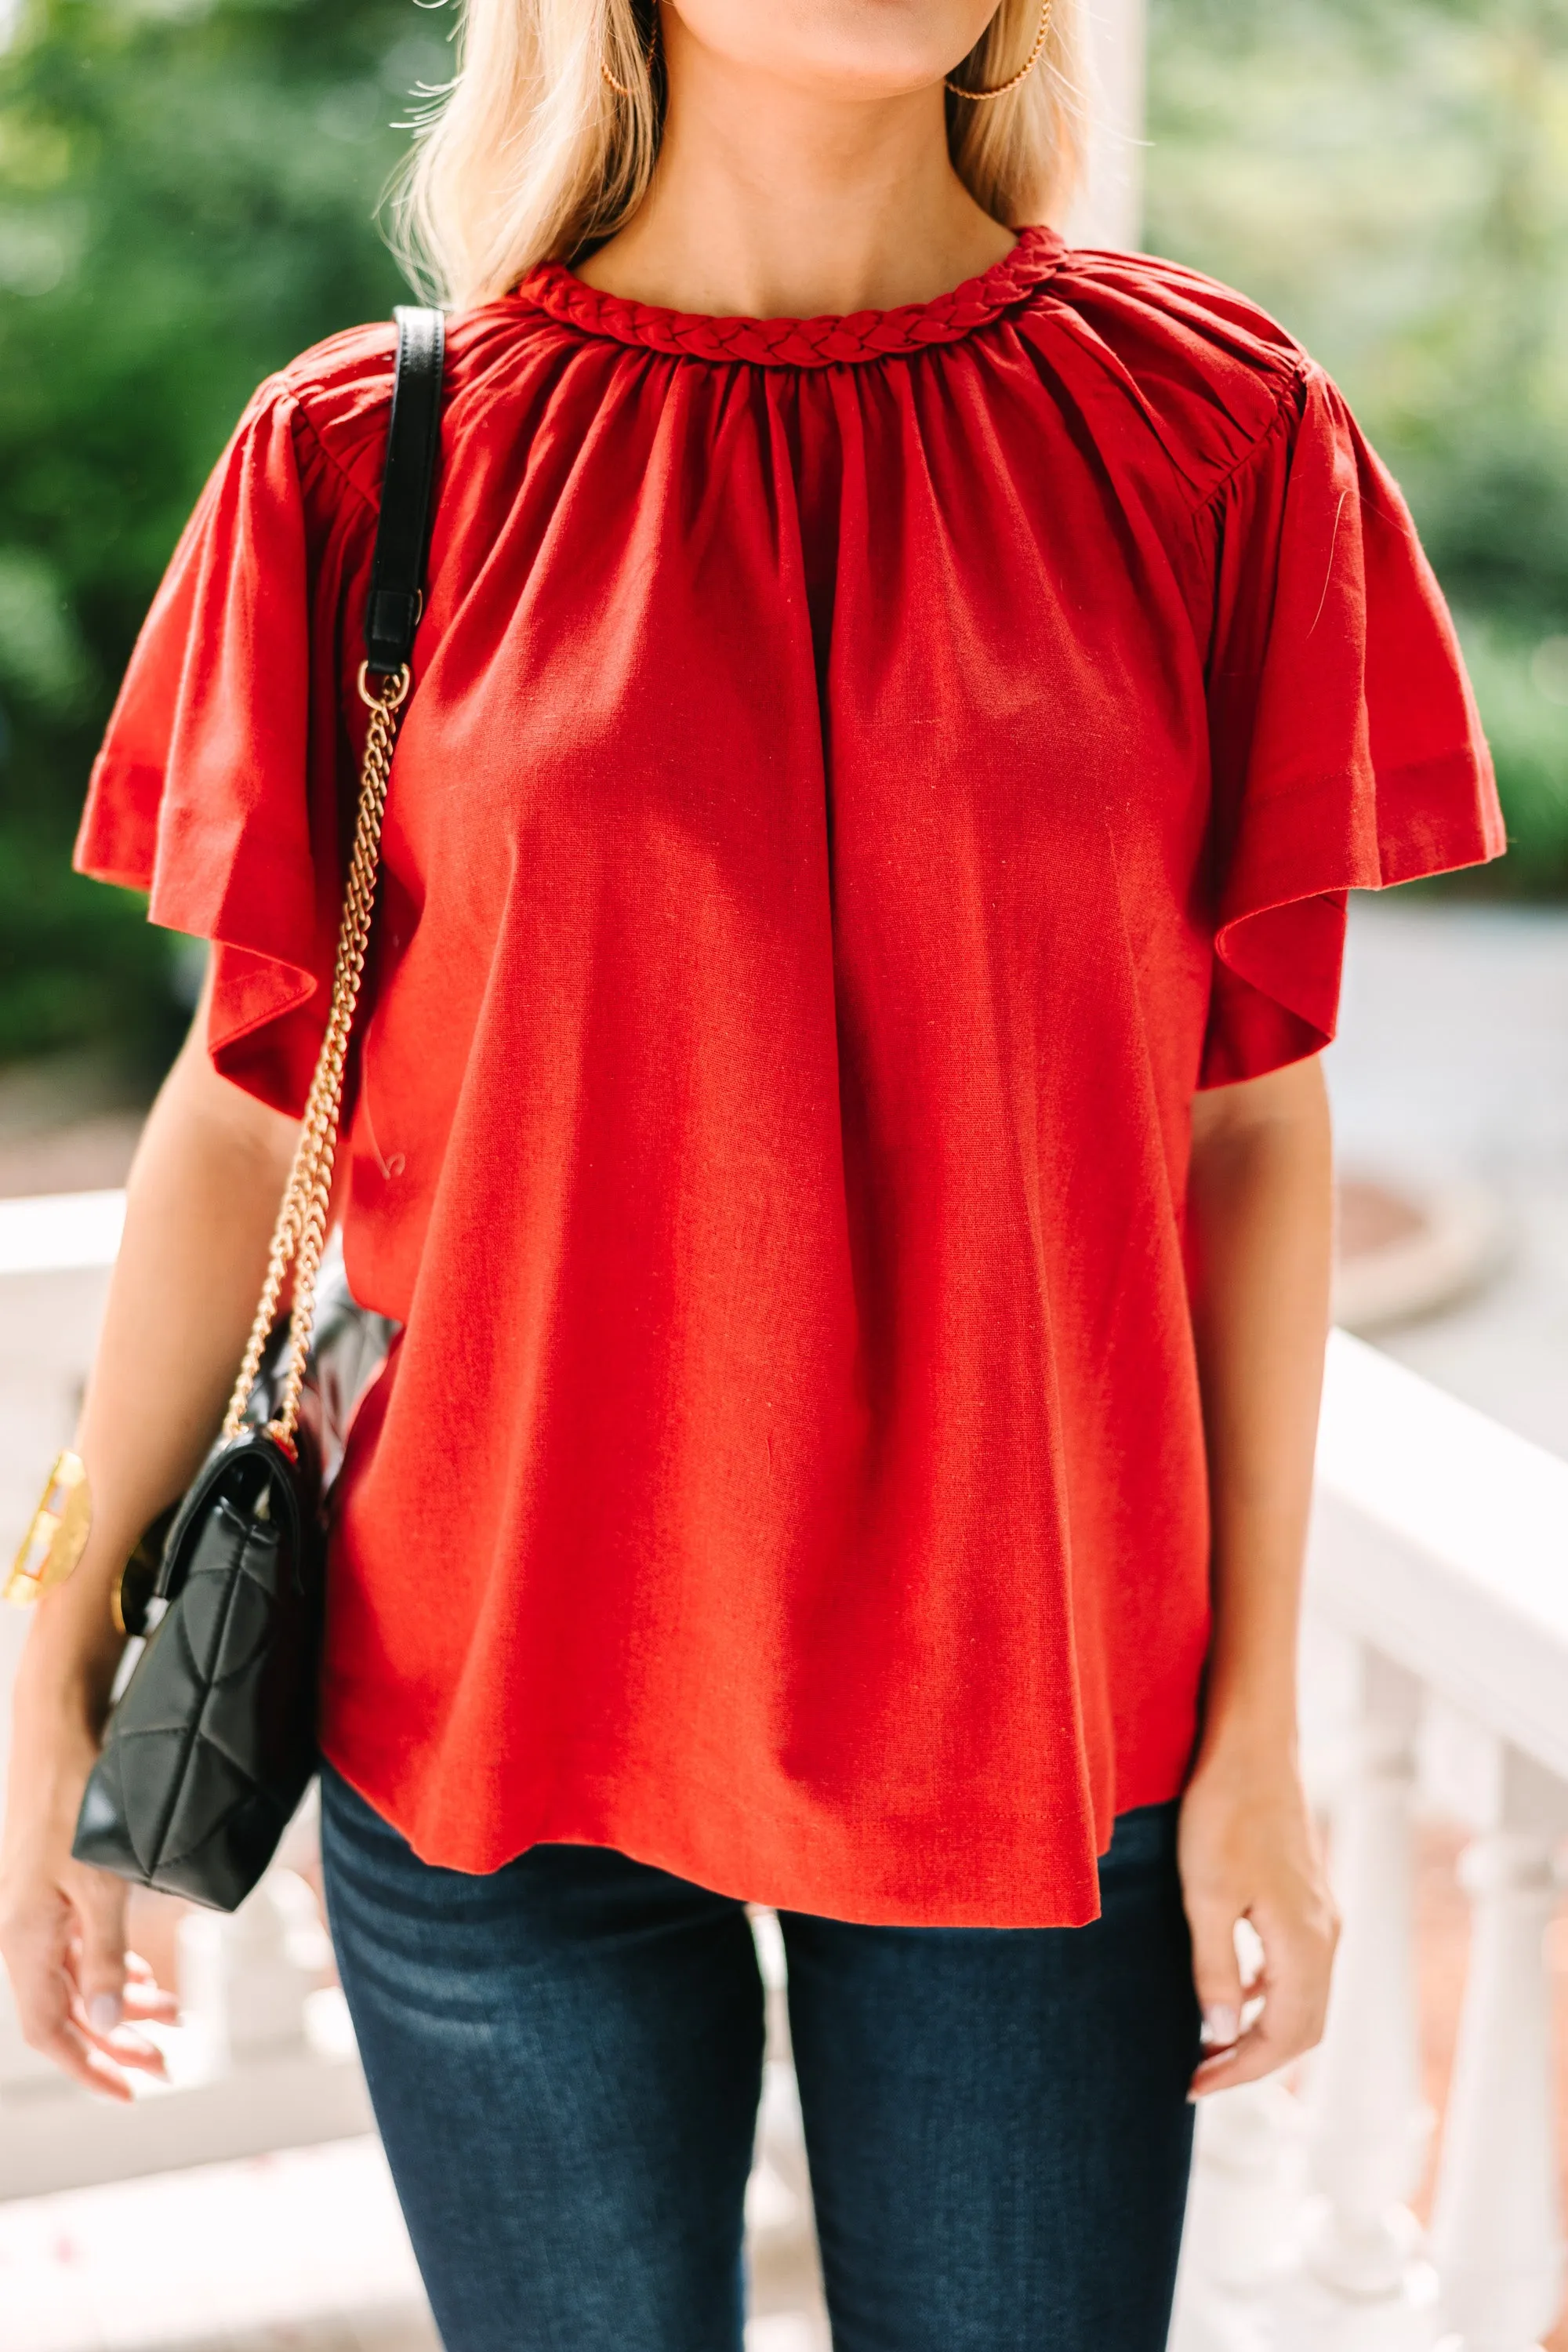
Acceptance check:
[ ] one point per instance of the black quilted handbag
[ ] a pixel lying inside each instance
(212, 1742)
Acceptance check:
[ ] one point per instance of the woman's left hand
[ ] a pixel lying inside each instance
(1249, 1850)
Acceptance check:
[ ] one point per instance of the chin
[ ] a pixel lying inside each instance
(852, 49)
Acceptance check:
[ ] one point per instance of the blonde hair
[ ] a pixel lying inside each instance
(529, 153)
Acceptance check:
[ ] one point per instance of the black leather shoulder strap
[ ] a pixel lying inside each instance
(403, 534)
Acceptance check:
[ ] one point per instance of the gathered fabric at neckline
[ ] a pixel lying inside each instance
(826, 341)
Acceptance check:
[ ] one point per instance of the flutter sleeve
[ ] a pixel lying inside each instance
(1346, 749)
(220, 787)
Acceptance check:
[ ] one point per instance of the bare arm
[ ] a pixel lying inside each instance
(200, 1205)
(1260, 1208)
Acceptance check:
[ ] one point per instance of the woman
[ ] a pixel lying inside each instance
(897, 712)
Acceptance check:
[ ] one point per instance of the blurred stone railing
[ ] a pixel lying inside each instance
(1435, 1680)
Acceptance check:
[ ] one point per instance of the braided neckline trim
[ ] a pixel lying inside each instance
(829, 342)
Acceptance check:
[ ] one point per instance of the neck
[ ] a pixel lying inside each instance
(771, 201)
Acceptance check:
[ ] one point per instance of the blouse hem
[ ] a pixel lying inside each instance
(819, 1892)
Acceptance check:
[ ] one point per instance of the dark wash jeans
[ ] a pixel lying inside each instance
(564, 2057)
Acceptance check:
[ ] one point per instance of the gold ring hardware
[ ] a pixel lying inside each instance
(390, 691)
(130, 1595)
(1002, 88)
(56, 1534)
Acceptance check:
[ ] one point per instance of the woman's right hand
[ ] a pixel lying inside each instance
(200, 1203)
(80, 1995)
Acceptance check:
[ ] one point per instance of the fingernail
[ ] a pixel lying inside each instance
(103, 2012)
(1220, 2026)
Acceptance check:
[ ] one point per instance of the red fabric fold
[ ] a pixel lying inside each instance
(226, 781)
(1347, 750)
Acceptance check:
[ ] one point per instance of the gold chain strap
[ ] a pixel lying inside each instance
(301, 1232)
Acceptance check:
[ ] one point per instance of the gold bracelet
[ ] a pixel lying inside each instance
(56, 1536)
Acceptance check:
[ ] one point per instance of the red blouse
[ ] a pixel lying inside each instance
(863, 775)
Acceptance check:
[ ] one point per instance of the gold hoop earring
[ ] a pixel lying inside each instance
(1025, 70)
(619, 87)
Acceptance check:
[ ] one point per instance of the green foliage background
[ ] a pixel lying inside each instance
(1390, 177)
(186, 193)
(187, 199)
